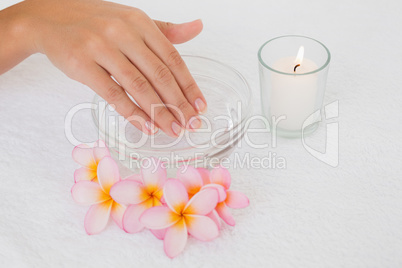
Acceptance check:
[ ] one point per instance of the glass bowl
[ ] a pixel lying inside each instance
(224, 124)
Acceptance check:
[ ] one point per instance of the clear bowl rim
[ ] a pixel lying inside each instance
(294, 74)
(245, 115)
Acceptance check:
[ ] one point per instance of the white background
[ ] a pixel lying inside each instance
(307, 215)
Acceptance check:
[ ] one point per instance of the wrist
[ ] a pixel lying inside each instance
(17, 30)
(16, 37)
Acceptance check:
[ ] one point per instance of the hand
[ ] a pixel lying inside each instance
(92, 40)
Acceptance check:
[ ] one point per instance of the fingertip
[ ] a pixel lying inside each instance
(200, 106)
(150, 128)
(194, 123)
(184, 32)
(177, 129)
(197, 25)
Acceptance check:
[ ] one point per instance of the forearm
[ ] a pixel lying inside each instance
(16, 42)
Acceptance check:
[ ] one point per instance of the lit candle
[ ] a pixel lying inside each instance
(293, 96)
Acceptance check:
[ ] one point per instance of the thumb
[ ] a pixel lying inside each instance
(180, 33)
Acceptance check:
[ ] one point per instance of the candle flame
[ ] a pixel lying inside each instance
(300, 56)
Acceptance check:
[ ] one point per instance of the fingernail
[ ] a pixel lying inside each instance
(194, 122)
(176, 128)
(200, 105)
(151, 127)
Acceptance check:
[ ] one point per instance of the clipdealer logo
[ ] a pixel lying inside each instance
(330, 155)
(271, 160)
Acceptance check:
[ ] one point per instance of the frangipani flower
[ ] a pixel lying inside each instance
(182, 216)
(140, 192)
(97, 195)
(194, 180)
(233, 199)
(89, 158)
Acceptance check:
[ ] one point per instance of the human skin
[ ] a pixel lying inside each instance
(92, 41)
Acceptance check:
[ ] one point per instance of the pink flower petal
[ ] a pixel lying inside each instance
(131, 218)
(108, 173)
(158, 218)
(236, 199)
(202, 203)
(215, 217)
(224, 213)
(117, 213)
(128, 192)
(160, 234)
(221, 190)
(88, 193)
(163, 201)
(221, 175)
(175, 239)
(100, 151)
(204, 175)
(153, 174)
(84, 174)
(97, 217)
(83, 155)
(134, 177)
(202, 227)
(175, 195)
(191, 179)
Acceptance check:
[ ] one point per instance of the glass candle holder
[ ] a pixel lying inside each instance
(293, 72)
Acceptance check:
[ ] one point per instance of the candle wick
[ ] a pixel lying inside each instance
(294, 69)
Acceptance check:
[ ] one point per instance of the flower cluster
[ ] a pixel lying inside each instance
(191, 204)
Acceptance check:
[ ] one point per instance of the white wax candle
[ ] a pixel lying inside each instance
(293, 95)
